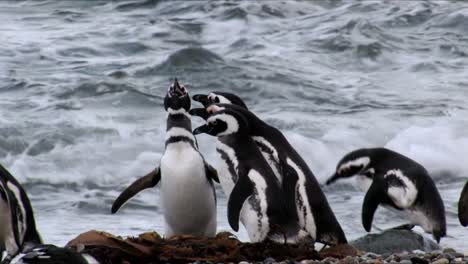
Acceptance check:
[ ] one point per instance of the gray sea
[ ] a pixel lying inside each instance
(82, 86)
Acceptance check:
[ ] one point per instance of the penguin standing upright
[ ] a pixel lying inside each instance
(187, 191)
(398, 182)
(17, 225)
(299, 184)
(255, 198)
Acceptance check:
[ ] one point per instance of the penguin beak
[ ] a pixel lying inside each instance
(201, 129)
(202, 98)
(200, 112)
(332, 179)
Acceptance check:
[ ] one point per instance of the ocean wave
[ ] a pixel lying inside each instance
(187, 59)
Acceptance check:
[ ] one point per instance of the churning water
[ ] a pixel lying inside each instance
(82, 82)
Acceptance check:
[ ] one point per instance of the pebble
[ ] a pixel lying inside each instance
(446, 256)
(441, 261)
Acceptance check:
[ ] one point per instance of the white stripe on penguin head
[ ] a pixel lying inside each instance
(222, 100)
(231, 122)
(364, 161)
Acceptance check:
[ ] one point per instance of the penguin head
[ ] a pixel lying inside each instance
(177, 99)
(353, 163)
(219, 98)
(224, 123)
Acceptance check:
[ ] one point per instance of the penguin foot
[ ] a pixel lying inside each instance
(403, 227)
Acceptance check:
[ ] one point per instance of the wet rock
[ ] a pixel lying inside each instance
(393, 241)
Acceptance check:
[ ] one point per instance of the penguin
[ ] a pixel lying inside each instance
(463, 206)
(18, 230)
(187, 189)
(255, 197)
(397, 182)
(219, 98)
(316, 218)
(51, 254)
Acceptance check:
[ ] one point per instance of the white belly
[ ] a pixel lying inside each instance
(187, 197)
(416, 217)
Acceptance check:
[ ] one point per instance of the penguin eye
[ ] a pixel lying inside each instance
(214, 123)
(216, 99)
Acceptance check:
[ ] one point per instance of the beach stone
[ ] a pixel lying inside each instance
(243, 262)
(350, 260)
(449, 250)
(405, 261)
(393, 241)
(441, 261)
(269, 261)
(417, 260)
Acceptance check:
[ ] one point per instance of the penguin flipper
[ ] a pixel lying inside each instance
(241, 191)
(371, 202)
(148, 181)
(289, 183)
(211, 172)
(463, 206)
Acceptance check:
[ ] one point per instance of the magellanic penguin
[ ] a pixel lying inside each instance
(256, 198)
(463, 206)
(316, 218)
(398, 182)
(187, 191)
(51, 254)
(17, 225)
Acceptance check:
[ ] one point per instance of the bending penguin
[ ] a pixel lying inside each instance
(316, 218)
(463, 206)
(255, 197)
(398, 182)
(187, 191)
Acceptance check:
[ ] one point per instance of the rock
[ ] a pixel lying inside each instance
(441, 261)
(406, 262)
(340, 251)
(416, 260)
(393, 241)
(449, 250)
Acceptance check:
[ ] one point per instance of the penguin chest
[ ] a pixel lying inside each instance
(271, 156)
(254, 213)
(227, 167)
(401, 190)
(7, 239)
(185, 191)
(417, 217)
(303, 206)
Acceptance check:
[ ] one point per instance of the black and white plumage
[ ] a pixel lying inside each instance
(187, 191)
(255, 197)
(463, 206)
(397, 182)
(316, 218)
(17, 225)
(50, 254)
